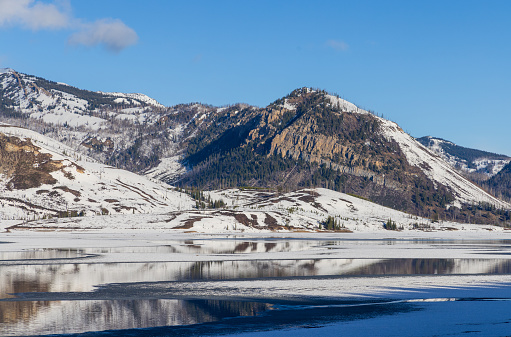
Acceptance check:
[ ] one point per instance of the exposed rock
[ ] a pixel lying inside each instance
(23, 164)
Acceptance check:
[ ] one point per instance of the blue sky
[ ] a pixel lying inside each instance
(439, 68)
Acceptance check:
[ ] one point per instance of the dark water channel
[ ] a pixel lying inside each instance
(35, 284)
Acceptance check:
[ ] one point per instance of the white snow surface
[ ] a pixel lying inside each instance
(136, 97)
(61, 117)
(494, 165)
(288, 105)
(344, 105)
(85, 185)
(5, 70)
(248, 211)
(168, 169)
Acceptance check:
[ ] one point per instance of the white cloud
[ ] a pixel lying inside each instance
(114, 35)
(34, 15)
(337, 45)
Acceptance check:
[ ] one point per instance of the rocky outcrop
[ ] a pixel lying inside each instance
(98, 145)
(23, 164)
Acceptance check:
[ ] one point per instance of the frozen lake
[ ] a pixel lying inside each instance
(161, 284)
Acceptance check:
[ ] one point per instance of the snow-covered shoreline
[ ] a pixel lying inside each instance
(164, 246)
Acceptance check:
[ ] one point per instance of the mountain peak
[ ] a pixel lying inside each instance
(297, 96)
(6, 70)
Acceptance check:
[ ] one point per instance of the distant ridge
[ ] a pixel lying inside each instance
(466, 159)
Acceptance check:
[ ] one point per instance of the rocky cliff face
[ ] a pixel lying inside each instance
(310, 138)
(23, 165)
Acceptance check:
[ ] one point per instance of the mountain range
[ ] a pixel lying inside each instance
(308, 139)
(470, 161)
(489, 170)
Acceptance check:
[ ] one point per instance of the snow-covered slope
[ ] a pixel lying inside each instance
(82, 186)
(61, 104)
(433, 165)
(130, 131)
(252, 211)
(437, 169)
(133, 99)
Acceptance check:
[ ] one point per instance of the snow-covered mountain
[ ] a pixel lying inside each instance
(125, 130)
(40, 177)
(306, 139)
(45, 184)
(435, 167)
(62, 104)
(465, 159)
(312, 133)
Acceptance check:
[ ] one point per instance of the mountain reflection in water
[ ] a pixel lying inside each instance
(84, 277)
(48, 317)
(79, 272)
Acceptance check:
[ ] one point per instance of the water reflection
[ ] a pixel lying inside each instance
(69, 271)
(236, 246)
(208, 247)
(50, 254)
(15, 279)
(196, 247)
(168, 249)
(84, 277)
(59, 317)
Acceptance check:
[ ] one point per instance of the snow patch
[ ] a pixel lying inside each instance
(344, 105)
(6, 70)
(139, 97)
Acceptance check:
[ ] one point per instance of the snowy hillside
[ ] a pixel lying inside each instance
(132, 99)
(86, 194)
(81, 185)
(252, 211)
(433, 165)
(437, 169)
(130, 131)
(464, 159)
(61, 104)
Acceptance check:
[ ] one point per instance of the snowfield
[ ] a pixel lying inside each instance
(85, 186)
(247, 212)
